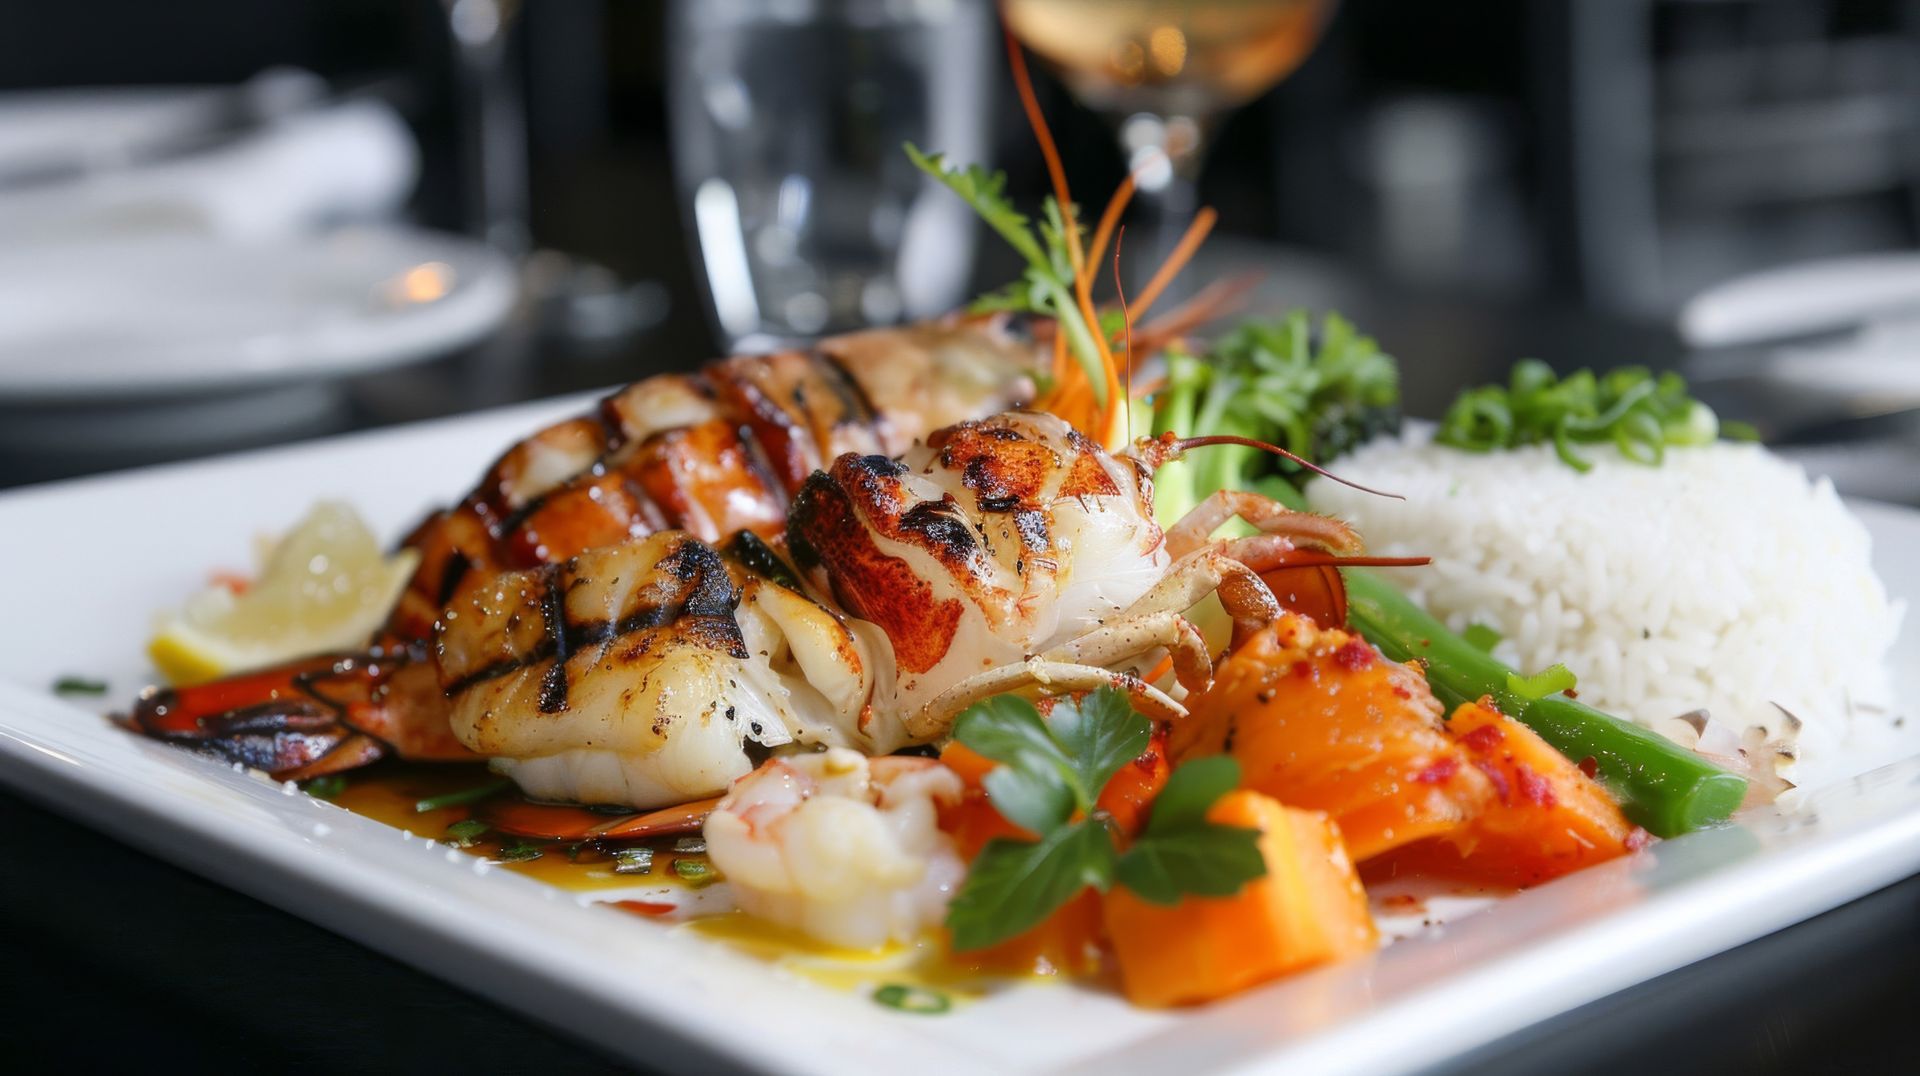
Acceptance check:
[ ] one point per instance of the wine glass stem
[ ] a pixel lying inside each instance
(1166, 155)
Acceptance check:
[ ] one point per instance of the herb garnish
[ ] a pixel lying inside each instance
(1049, 780)
(914, 999)
(79, 685)
(466, 834)
(1318, 392)
(326, 788)
(521, 852)
(462, 797)
(1641, 413)
(1046, 286)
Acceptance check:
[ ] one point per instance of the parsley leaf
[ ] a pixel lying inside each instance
(1100, 733)
(1036, 787)
(986, 192)
(1181, 852)
(1211, 861)
(1014, 885)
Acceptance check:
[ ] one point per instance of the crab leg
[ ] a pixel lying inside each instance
(1270, 517)
(1137, 635)
(1056, 677)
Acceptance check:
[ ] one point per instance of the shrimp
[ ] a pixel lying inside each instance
(844, 848)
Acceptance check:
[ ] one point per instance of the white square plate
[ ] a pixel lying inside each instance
(84, 565)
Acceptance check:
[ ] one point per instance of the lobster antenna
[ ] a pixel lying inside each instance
(1126, 324)
(1183, 444)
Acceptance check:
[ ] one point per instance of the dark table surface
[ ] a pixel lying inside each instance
(110, 957)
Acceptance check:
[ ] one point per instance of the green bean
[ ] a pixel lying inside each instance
(1660, 785)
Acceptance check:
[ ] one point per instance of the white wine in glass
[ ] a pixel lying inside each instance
(1163, 70)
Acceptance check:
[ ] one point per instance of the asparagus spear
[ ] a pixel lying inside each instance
(1660, 785)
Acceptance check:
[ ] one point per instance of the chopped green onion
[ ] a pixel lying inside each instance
(633, 861)
(690, 845)
(462, 797)
(466, 834)
(79, 685)
(1553, 680)
(1481, 637)
(1641, 413)
(697, 873)
(327, 787)
(914, 999)
(520, 853)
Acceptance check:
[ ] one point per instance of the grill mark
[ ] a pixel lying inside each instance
(939, 528)
(848, 389)
(553, 687)
(707, 607)
(455, 569)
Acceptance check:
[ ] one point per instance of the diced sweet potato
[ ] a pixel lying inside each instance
(1318, 719)
(1309, 909)
(1547, 818)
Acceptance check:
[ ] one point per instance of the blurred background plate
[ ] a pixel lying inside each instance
(171, 313)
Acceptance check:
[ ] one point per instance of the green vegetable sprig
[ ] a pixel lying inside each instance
(1641, 413)
(1317, 394)
(1046, 285)
(1051, 772)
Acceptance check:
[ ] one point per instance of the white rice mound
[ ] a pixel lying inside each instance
(1722, 580)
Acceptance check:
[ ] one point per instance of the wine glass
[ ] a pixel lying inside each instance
(1165, 70)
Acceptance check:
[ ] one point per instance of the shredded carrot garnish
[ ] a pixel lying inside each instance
(1182, 251)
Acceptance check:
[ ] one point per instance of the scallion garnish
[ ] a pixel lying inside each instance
(914, 999)
(1552, 680)
(633, 861)
(466, 834)
(1641, 413)
(79, 685)
(462, 797)
(697, 873)
(690, 845)
(519, 853)
(327, 787)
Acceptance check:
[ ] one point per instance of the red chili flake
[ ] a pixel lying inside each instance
(1438, 771)
(649, 908)
(1402, 692)
(1637, 839)
(1354, 655)
(1149, 759)
(1535, 788)
(1590, 766)
(1496, 778)
(1484, 738)
(1570, 693)
(1303, 669)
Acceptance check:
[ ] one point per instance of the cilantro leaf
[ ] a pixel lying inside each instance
(1100, 733)
(1208, 861)
(1014, 885)
(985, 192)
(1181, 852)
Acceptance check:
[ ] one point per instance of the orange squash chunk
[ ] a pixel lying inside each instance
(1309, 909)
(1319, 719)
(1547, 819)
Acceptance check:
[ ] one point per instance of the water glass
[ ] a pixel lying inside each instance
(788, 118)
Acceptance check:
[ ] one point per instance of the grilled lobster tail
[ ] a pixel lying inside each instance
(712, 453)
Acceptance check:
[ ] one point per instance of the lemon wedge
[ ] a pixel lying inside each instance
(324, 586)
